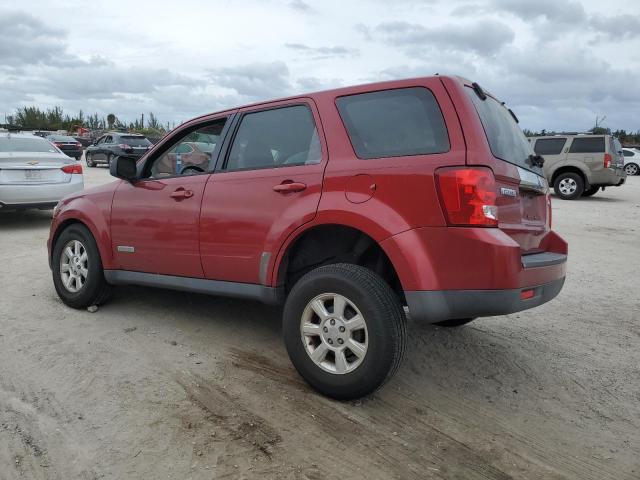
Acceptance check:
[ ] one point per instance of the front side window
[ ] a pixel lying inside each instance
(394, 123)
(549, 146)
(192, 154)
(281, 137)
(587, 145)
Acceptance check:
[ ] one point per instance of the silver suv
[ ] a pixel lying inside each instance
(579, 165)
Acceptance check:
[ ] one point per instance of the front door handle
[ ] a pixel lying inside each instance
(289, 186)
(181, 193)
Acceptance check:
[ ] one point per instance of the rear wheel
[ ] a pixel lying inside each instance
(78, 276)
(345, 330)
(454, 322)
(568, 186)
(89, 160)
(590, 191)
(109, 159)
(631, 169)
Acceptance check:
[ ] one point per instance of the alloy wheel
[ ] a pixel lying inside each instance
(334, 333)
(568, 186)
(74, 266)
(631, 169)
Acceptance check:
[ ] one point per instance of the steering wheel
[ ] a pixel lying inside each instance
(191, 170)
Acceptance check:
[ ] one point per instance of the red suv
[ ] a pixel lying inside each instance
(345, 206)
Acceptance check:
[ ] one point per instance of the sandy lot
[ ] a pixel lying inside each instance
(160, 384)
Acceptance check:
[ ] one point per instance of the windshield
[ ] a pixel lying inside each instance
(21, 144)
(135, 141)
(506, 140)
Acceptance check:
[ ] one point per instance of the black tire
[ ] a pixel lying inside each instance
(589, 192)
(454, 322)
(385, 329)
(109, 159)
(95, 290)
(632, 169)
(569, 177)
(88, 160)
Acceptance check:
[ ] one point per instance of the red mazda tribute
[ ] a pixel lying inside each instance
(345, 206)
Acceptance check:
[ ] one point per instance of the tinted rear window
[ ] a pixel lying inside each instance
(394, 123)
(549, 146)
(587, 145)
(61, 138)
(506, 140)
(135, 141)
(35, 144)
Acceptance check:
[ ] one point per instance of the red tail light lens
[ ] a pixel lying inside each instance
(78, 144)
(73, 168)
(607, 160)
(468, 196)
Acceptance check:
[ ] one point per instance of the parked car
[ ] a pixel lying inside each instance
(415, 206)
(580, 165)
(113, 144)
(69, 145)
(631, 161)
(34, 173)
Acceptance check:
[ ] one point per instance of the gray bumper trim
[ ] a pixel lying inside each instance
(544, 259)
(437, 305)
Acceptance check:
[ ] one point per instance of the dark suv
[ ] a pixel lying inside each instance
(114, 144)
(345, 206)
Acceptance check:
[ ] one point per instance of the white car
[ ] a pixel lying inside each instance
(631, 161)
(34, 173)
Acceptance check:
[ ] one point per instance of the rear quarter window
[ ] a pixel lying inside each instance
(549, 146)
(394, 123)
(587, 145)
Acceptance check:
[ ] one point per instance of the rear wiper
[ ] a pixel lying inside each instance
(536, 160)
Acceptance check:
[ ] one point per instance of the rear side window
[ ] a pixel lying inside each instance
(281, 137)
(506, 140)
(587, 145)
(549, 146)
(394, 123)
(628, 153)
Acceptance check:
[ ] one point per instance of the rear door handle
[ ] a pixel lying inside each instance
(288, 186)
(181, 193)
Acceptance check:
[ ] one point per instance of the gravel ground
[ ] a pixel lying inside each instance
(161, 384)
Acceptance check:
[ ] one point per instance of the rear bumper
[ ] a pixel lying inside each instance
(608, 177)
(42, 195)
(435, 306)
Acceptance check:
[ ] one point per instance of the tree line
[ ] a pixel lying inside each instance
(34, 118)
(626, 138)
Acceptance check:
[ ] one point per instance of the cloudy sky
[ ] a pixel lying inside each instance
(557, 63)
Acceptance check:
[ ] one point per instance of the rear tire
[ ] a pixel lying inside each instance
(631, 169)
(590, 191)
(75, 254)
(454, 322)
(109, 159)
(358, 340)
(88, 160)
(568, 186)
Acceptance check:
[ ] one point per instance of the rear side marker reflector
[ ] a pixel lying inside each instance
(527, 294)
(468, 196)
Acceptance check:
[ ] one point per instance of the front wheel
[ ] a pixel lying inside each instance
(78, 276)
(569, 186)
(345, 330)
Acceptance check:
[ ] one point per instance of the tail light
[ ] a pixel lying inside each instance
(468, 196)
(78, 144)
(607, 160)
(549, 210)
(57, 144)
(124, 146)
(73, 168)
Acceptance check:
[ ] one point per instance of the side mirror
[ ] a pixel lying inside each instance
(124, 167)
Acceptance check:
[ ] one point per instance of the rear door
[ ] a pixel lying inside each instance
(268, 183)
(589, 150)
(554, 152)
(522, 196)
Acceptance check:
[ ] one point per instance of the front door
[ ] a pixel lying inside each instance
(155, 221)
(268, 184)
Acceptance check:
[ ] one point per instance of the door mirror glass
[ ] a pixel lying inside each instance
(124, 167)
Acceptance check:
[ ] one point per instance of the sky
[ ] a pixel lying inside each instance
(557, 63)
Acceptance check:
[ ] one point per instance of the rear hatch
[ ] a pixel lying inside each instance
(522, 192)
(24, 168)
(617, 155)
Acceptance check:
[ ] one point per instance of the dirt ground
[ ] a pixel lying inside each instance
(160, 384)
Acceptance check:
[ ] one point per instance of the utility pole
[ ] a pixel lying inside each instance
(143, 120)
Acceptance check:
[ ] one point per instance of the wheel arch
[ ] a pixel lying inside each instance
(572, 168)
(340, 243)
